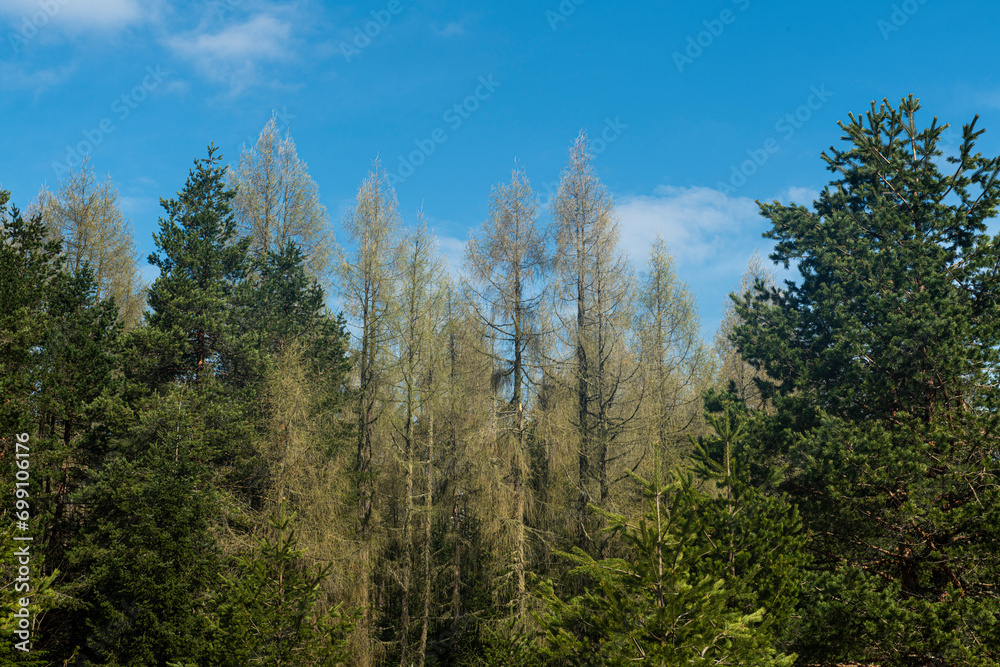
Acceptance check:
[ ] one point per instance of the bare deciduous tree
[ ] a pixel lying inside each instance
(86, 215)
(676, 362)
(367, 289)
(506, 265)
(593, 287)
(277, 201)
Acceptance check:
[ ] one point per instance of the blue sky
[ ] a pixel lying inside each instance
(680, 95)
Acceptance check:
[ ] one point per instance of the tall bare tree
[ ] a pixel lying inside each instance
(86, 214)
(277, 200)
(507, 263)
(416, 324)
(367, 285)
(593, 284)
(676, 363)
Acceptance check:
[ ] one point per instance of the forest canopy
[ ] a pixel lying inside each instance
(534, 461)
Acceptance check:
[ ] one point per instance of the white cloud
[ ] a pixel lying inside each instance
(149, 272)
(39, 80)
(233, 53)
(699, 224)
(453, 251)
(710, 234)
(71, 15)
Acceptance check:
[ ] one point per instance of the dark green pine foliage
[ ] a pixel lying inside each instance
(184, 465)
(268, 608)
(30, 265)
(79, 409)
(202, 263)
(193, 335)
(658, 605)
(147, 548)
(287, 307)
(751, 532)
(884, 364)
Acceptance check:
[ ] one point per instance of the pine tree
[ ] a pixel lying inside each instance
(147, 551)
(30, 264)
(882, 362)
(268, 608)
(30, 270)
(733, 369)
(201, 264)
(757, 545)
(655, 605)
(286, 306)
(80, 407)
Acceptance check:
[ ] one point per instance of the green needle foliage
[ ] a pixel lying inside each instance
(148, 552)
(752, 533)
(883, 364)
(29, 265)
(202, 263)
(658, 606)
(270, 611)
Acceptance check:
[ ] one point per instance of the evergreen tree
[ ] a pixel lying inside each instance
(752, 533)
(147, 550)
(201, 264)
(30, 265)
(269, 611)
(79, 409)
(882, 361)
(287, 306)
(656, 605)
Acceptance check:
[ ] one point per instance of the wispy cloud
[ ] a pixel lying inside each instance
(800, 196)
(73, 15)
(699, 224)
(13, 77)
(234, 53)
(453, 251)
(453, 29)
